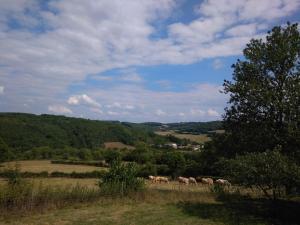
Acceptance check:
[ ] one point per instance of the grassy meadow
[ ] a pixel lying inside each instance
(163, 203)
(117, 145)
(199, 138)
(46, 165)
(166, 205)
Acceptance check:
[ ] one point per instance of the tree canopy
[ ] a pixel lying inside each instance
(264, 104)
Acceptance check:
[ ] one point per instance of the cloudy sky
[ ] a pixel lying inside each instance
(134, 60)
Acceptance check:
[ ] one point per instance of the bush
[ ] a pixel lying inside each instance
(112, 155)
(121, 179)
(270, 171)
(175, 162)
(147, 169)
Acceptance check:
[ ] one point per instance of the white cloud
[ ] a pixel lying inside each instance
(130, 107)
(245, 29)
(211, 112)
(84, 38)
(133, 77)
(83, 99)
(103, 78)
(217, 64)
(59, 109)
(114, 105)
(1, 90)
(97, 110)
(197, 112)
(112, 113)
(159, 112)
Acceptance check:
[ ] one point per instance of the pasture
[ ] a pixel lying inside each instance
(160, 204)
(117, 145)
(199, 138)
(46, 165)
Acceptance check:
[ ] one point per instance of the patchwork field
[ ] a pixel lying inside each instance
(117, 145)
(46, 165)
(200, 138)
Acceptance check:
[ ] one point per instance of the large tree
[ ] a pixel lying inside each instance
(264, 105)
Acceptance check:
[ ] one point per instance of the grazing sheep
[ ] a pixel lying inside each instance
(183, 180)
(162, 179)
(223, 182)
(208, 181)
(192, 180)
(152, 179)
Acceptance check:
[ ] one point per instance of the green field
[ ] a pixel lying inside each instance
(46, 165)
(159, 204)
(117, 145)
(199, 138)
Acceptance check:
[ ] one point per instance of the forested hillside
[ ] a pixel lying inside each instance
(25, 131)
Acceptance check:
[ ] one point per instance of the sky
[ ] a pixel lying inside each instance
(134, 60)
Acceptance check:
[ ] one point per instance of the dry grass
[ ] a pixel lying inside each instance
(160, 204)
(60, 182)
(199, 138)
(117, 145)
(46, 165)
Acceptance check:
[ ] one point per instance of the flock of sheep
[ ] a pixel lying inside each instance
(190, 180)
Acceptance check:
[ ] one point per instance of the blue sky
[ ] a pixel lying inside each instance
(136, 61)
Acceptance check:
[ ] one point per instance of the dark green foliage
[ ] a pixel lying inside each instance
(5, 152)
(265, 96)
(121, 179)
(86, 163)
(175, 162)
(92, 174)
(27, 131)
(14, 175)
(112, 155)
(270, 171)
(141, 154)
(147, 170)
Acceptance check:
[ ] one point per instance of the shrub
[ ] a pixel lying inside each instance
(147, 169)
(121, 179)
(270, 171)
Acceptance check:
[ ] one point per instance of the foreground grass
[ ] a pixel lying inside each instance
(163, 204)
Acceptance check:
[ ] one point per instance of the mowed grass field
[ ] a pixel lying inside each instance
(46, 165)
(199, 138)
(117, 145)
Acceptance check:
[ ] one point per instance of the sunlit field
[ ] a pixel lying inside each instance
(46, 165)
(158, 204)
(199, 138)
